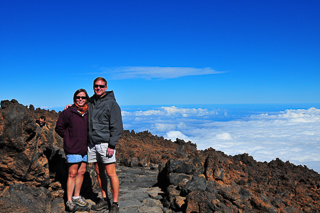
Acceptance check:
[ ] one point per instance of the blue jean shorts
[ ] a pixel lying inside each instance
(71, 158)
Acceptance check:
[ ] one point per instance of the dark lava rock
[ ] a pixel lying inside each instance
(156, 175)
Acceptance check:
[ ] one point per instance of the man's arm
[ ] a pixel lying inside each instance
(116, 125)
(66, 107)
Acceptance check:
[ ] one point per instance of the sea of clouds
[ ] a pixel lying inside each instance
(264, 132)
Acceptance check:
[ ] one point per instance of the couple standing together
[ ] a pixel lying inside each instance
(91, 129)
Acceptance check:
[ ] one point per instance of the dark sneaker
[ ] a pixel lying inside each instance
(114, 208)
(101, 205)
(80, 201)
(71, 206)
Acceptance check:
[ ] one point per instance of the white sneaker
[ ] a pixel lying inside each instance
(80, 201)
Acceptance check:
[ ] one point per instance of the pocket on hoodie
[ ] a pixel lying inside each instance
(101, 136)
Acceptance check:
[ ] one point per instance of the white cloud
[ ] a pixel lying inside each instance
(125, 113)
(224, 136)
(289, 135)
(49, 107)
(149, 113)
(181, 125)
(164, 127)
(171, 111)
(158, 72)
(173, 135)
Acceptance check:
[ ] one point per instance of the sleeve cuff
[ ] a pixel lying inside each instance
(111, 146)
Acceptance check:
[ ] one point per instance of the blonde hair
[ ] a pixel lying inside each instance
(100, 78)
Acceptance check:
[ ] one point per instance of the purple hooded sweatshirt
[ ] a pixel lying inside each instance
(73, 128)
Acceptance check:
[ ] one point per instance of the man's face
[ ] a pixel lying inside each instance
(99, 87)
(42, 121)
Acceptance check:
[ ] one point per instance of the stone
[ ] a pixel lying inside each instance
(196, 184)
(165, 176)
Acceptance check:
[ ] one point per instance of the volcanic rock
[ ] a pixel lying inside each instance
(156, 175)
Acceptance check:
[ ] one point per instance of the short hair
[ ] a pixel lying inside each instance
(100, 78)
(77, 92)
(43, 117)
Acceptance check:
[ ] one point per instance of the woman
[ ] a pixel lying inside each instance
(72, 125)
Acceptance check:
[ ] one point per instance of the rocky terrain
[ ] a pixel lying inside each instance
(156, 175)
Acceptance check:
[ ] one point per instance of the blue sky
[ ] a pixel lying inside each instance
(172, 54)
(161, 52)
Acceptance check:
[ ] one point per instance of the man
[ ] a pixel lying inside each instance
(42, 121)
(105, 128)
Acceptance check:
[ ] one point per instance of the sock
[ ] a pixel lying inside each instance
(75, 197)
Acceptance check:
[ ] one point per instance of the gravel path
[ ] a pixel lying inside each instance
(138, 192)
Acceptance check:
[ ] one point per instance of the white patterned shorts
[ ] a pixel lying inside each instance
(98, 152)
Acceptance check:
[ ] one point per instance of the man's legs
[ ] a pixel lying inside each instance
(102, 170)
(103, 181)
(102, 178)
(111, 172)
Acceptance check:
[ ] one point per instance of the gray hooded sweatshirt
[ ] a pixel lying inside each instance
(105, 121)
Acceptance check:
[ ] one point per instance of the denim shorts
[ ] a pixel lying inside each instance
(72, 158)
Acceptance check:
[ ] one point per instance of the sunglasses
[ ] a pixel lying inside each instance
(101, 86)
(83, 97)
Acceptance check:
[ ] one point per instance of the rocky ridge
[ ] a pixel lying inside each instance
(156, 175)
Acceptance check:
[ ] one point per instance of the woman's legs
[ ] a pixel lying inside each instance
(75, 179)
(73, 170)
(79, 178)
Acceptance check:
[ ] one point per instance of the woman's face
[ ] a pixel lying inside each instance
(81, 98)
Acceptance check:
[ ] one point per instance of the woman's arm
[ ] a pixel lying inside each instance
(61, 124)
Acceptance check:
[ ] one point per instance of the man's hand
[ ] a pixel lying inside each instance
(110, 152)
(66, 107)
